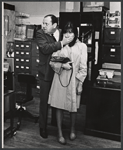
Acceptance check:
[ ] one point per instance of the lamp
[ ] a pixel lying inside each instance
(6, 24)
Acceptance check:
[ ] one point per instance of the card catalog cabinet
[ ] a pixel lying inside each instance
(34, 69)
(26, 61)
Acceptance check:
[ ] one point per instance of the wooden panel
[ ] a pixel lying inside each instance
(69, 16)
(103, 112)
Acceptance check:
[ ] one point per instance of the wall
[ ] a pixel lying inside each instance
(37, 10)
(69, 6)
(114, 6)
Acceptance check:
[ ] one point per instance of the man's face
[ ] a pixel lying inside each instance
(48, 27)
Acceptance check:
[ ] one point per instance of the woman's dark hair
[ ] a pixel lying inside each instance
(69, 26)
(53, 18)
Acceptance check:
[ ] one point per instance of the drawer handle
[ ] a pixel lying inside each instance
(37, 60)
(112, 55)
(37, 92)
(37, 47)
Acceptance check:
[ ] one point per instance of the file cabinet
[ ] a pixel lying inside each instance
(111, 49)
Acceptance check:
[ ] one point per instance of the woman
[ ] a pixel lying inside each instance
(68, 98)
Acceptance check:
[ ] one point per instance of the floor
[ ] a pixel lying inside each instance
(28, 134)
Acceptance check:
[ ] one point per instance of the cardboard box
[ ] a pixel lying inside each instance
(105, 4)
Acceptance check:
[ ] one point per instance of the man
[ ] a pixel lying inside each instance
(47, 45)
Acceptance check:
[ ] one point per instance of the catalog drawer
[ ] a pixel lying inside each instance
(22, 61)
(35, 49)
(22, 54)
(36, 92)
(35, 73)
(22, 68)
(35, 62)
(111, 54)
(112, 35)
(23, 45)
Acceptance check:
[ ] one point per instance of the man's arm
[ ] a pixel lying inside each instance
(45, 46)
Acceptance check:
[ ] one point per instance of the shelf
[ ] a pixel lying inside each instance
(20, 24)
(89, 45)
(23, 17)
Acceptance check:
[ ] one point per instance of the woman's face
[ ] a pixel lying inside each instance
(68, 34)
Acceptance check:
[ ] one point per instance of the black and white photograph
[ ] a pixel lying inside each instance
(61, 74)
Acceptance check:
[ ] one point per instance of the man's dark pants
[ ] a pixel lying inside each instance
(43, 109)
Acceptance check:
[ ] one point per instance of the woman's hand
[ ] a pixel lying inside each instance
(67, 66)
(79, 88)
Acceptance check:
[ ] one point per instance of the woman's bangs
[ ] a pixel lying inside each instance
(69, 30)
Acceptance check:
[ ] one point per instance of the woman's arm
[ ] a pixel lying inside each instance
(82, 73)
(58, 67)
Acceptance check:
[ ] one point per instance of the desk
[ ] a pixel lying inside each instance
(103, 112)
(9, 106)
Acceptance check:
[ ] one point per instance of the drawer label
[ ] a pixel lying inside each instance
(17, 66)
(112, 49)
(38, 87)
(22, 53)
(112, 32)
(22, 59)
(27, 60)
(27, 67)
(22, 67)
(17, 52)
(27, 53)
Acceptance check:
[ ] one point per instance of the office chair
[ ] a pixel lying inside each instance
(23, 98)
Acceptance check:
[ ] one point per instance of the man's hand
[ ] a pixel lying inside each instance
(67, 66)
(66, 40)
